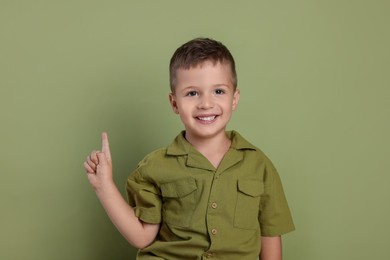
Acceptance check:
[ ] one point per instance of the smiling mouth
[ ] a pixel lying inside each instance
(206, 118)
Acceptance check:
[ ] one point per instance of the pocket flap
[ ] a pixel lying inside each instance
(179, 188)
(253, 188)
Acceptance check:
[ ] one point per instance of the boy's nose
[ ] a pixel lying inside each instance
(206, 102)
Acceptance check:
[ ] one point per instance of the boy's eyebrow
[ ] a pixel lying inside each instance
(189, 87)
(221, 85)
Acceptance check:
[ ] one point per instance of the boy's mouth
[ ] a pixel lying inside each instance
(206, 119)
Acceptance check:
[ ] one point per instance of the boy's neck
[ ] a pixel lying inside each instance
(213, 148)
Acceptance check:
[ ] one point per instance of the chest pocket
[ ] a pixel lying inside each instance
(179, 201)
(248, 204)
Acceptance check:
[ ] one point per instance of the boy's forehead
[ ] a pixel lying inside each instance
(206, 73)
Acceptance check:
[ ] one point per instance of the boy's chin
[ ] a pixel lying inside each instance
(204, 134)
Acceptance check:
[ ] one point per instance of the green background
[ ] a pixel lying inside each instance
(315, 88)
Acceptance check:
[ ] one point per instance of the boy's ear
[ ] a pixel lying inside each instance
(236, 98)
(173, 102)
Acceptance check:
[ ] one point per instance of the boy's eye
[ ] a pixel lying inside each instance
(219, 91)
(192, 93)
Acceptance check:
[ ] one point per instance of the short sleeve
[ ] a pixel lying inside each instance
(144, 197)
(275, 216)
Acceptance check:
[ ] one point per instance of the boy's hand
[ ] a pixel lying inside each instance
(98, 165)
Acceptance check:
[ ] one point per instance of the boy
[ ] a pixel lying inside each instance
(210, 194)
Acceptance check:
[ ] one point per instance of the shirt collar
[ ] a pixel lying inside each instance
(239, 142)
(180, 146)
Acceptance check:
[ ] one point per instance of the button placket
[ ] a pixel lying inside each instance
(212, 215)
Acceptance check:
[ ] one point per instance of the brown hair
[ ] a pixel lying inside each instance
(197, 51)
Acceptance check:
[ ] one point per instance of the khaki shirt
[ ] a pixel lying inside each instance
(206, 212)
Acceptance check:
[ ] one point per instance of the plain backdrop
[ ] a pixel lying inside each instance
(315, 88)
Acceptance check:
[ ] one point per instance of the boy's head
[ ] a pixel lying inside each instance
(195, 53)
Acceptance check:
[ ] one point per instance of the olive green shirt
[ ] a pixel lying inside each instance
(206, 212)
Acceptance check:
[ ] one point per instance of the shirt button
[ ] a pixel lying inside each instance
(214, 231)
(214, 205)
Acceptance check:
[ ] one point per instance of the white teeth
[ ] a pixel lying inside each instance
(208, 118)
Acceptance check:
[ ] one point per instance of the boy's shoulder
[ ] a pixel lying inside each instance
(158, 159)
(154, 156)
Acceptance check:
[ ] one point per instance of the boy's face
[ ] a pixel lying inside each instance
(204, 98)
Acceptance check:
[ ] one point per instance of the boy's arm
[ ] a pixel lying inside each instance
(271, 248)
(99, 170)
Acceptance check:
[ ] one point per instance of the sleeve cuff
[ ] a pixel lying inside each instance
(147, 216)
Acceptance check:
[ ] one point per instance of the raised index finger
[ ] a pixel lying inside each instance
(106, 146)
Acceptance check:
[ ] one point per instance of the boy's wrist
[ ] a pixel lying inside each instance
(105, 188)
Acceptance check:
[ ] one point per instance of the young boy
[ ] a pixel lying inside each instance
(210, 194)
